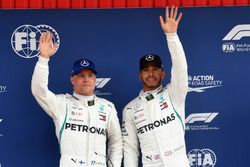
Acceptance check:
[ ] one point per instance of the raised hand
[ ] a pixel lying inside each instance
(170, 25)
(47, 47)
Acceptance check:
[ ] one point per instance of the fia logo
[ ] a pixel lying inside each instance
(228, 47)
(202, 158)
(25, 39)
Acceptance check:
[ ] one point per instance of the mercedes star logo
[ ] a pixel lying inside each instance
(84, 63)
(149, 57)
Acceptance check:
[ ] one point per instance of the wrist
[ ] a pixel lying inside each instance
(44, 56)
(43, 60)
(171, 35)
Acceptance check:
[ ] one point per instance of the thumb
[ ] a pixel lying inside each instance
(55, 47)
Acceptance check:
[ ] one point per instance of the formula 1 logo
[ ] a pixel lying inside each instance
(25, 39)
(201, 117)
(101, 82)
(201, 121)
(238, 32)
(202, 158)
(232, 39)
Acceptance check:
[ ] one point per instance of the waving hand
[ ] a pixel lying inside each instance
(171, 22)
(47, 47)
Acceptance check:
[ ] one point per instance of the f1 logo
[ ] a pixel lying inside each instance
(238, 32)
(101, 82)
(201, 117)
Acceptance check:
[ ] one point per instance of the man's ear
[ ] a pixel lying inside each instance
(139, 76)
(72, 80)
(163, 75)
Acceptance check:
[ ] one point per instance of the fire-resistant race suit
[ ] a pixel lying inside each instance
(155, 119)
(82, 125)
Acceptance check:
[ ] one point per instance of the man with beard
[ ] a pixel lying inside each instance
(154, 121)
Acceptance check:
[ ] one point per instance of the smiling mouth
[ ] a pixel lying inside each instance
(151, 79)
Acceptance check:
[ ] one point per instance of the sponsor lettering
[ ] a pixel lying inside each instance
(199, 83)
(3, 89)
(97, 163)
(156, 124)
(85, 128)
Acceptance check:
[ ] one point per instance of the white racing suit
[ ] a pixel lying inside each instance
(82, 126)
(155, 121)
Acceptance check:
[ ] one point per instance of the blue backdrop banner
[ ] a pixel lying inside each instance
(216, 41)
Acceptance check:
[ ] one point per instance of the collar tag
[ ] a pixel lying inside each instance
(91, 103)
(149, 97)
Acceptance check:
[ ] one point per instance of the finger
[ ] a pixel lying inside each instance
(44, 37)
(172, 12)
(161, 21)
(55, 47)
(50, 37)
(179, 17)
(175, 12)
(41, 38)
(166, 12)
(47, 36)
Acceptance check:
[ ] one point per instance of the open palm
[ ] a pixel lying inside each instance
(170, 25)
(47, 48)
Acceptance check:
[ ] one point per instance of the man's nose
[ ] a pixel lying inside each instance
(85, 79)
(151, 73)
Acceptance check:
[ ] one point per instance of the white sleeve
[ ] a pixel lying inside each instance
(179, 76)
(39, 87)
(114, 140)
(130, 140)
